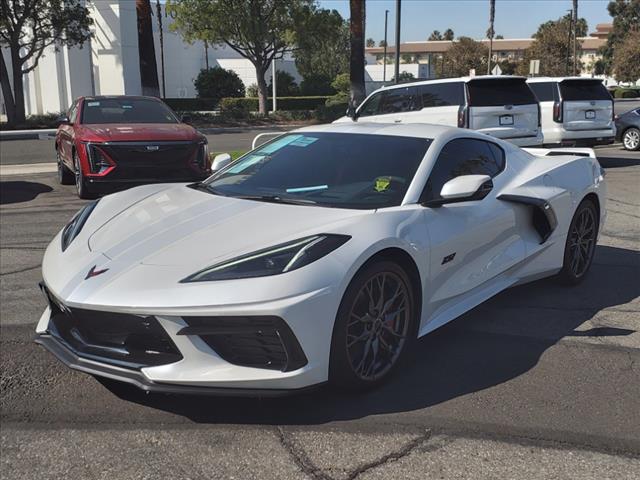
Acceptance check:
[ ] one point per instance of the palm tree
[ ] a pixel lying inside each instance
(491, 32)
(161, 33)
(356, 61)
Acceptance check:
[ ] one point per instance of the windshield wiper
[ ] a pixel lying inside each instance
(276, 199)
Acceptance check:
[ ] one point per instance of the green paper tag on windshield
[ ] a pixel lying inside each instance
(382, 184)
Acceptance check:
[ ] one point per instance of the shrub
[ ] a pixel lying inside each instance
(252, 90)
(316, 85)
(237, 107)
(329, 113)
(216, 83)
(285, 84)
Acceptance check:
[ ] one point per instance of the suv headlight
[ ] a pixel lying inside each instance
(72, 229)
(272, 261)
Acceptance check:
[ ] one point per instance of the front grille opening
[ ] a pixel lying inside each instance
(126, 340)
(259, 341)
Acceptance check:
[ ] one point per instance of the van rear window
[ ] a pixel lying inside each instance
(497, 92)
(583, 90)
(544, 91)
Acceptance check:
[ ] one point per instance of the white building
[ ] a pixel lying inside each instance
(109, 65)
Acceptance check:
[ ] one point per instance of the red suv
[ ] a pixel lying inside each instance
(108, 142)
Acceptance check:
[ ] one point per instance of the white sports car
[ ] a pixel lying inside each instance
(317, 257)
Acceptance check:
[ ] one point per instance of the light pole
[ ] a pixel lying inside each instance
(384, 58)
(397, 65)
(273, 82)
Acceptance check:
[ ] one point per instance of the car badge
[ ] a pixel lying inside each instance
(508, 107)
(152, 148)
(94, 273)
(593, 102)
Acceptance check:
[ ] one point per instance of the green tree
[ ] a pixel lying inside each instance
(382, 43)
(626, 63)
(259, 30)
(286, 85)
(371, 42)
(499, 37)
(27, 28)
(448, 34)
(406, 58)
(356, 57)
(435, 35)
(626, 18)
(341, 85)
(217, 83)
(323, 50)
(404, 77)
(316, 85)
(553, 46)
(465, 54)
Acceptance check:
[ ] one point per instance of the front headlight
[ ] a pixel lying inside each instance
(72, 229)
(272, 261)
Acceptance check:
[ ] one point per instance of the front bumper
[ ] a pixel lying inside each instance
(216, 365)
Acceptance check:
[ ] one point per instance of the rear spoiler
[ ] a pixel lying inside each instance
(552, 152)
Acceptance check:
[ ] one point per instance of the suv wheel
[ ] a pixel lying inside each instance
(65, 177)
(631, 139)
(81, 183)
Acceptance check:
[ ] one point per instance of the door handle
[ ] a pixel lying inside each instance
(398, 120)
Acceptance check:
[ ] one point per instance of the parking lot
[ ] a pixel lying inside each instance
(543, 381)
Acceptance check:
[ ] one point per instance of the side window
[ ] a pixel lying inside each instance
(398, 100)
(442, 94)
(544, 91)
(371, 106)
(463, 156)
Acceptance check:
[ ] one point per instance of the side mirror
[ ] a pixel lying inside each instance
(220, 161)
(352, 112)
(464, 188)
(186, 119)
(62, 120)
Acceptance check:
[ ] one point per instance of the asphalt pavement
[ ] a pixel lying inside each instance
(542, 381)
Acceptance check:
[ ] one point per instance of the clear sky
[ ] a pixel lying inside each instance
(514, 18)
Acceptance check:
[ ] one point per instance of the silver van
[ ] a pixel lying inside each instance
(576, 111)
(500, 106)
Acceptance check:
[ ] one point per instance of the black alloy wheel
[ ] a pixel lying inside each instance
(375, 326)
(581, 243)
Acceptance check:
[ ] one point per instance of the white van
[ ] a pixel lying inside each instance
(501, 106)
(576, 111)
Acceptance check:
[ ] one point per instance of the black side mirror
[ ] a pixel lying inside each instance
(186, 119)
(62, 120)
(352, 112)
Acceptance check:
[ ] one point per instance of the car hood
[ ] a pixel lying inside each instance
(118, 132)
(183, 226)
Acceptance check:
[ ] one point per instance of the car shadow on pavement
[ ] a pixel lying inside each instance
(494, 343)
(21, 191)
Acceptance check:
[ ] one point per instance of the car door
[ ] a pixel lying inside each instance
(441, 102)
(472, 243)
(66, 135)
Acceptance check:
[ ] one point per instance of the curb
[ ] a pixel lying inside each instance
(42, 134)
(27, 169)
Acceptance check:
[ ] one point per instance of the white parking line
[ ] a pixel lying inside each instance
(28, 169)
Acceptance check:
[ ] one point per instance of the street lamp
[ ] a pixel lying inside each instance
(397, 69)
(384, 58)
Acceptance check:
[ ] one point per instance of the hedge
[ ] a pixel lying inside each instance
(627, 93)
(191, 104)
(282, 103)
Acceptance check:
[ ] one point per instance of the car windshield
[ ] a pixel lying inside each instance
(343, 170)
(126, 110)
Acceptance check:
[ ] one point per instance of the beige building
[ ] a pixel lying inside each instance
(508, 49)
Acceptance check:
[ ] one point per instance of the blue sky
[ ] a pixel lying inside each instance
(514, 18)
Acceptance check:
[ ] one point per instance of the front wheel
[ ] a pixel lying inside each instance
(631, 139)
(80, 181)
(375, 325)
(581, 244)
(65, 177)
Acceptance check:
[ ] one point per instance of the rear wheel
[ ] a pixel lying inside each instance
(65, 177)
(631, 139)
(374, 327)
(581, 244)
(80, 181)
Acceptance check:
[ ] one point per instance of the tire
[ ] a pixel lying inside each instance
(581, 244)
(631, 139)
(81, 183)
(365, 348)
(65, 176)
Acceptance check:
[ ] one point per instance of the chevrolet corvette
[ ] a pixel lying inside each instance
(318, 257)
